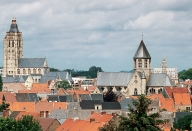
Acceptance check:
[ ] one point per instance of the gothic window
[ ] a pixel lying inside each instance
(139, 63)
(146, 63)
(9, 44)
(135, 91)
(18, 71)
(39, 71)
(34, 71)
(24, 71)
(29, 71)
(12, 43)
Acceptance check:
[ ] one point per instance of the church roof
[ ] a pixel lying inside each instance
(142, 52)
(14, 27)
(64, 75)
(113, 78)
(159, 79)
(31, 62)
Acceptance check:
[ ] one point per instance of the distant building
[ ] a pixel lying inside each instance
(13, 62)
(171, 72)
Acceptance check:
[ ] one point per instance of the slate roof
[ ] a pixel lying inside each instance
(14, 28)
(8, 79)
(159, 79)
(44, 79)
(58, 114)
(31, 62)
(14, 114)
(27, 97)
(89, 104)
(64, 75)
(53, 98)
(97, 97)
(124, 104)
(113, 78)
(33, 97)
(142, 52)
(84, 96)
(111, 106)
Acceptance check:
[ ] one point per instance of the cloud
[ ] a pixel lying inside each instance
(79, 34)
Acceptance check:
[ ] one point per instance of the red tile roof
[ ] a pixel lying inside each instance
(101, 118)
(171, 90)
(22, 113)
(182, 98)
(40, 88)
(22, 106)
(79, 125)
(9, 97)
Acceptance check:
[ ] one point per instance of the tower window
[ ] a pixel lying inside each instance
(18, 71)
(9, 44)
(12, 43)
(146, 63)
(39, 71)
(139, 63)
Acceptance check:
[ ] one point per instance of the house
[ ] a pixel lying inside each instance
(59, 114)
(182, 101)
(22, 106)
(170, 90)
(49, 124)
(7, 97)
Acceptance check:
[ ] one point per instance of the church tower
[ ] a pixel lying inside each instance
(142, 60)
(12, 50)
(164, 66)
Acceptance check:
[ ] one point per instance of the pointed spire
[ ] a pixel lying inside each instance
(142, 52)
(143, 75)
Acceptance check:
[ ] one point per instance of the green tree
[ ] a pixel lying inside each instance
(111, 126)
(4, 106)
(54, 70)
(26, 123)
(1, 83)
(63, 84)
(186, 74)
(109, 96)
(183, 123)
(138, 120)
(93, 71)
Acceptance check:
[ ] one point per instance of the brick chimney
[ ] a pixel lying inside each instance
(102, 113)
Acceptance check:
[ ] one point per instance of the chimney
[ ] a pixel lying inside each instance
(5, 113)
(92, 112)
(92, 119)
(102, 113)
(113, 114)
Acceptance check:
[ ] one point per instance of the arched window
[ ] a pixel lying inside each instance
(18, 71)
(139, 63)
(146, 63)
(24, 71)
(29, 71)
(12, 43)
(39, 71)
(9, 44)
(34, 71)
(135, 91)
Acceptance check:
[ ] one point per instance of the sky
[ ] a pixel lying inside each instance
(78, 34)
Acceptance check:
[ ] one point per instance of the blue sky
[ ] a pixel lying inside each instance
(78, 34)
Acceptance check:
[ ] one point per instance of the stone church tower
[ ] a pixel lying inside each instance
(142, 60)
(12, 50)
(164, 70)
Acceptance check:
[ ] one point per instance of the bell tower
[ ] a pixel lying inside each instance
(12, 49)
(142, 60)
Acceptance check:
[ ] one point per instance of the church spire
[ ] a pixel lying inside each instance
(142, 52)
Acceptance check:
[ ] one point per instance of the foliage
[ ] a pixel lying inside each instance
(1, 83)
(26, 123)
(109, 96)
(163, 110)
(63, 84)
(54, 70)
(4, 106)
(186, 74)
(111, 126)
(138, 120)
(183, 123)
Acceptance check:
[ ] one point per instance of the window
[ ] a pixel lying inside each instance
(12, 43)
(41, 113)
(24, 71)
(187, 108)
(146, 63)
(34, 71)
(139, 63)
(135, 91)
(39, 71)
(29, 71)
(47, 113)
(18, 71)
(9, 44)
